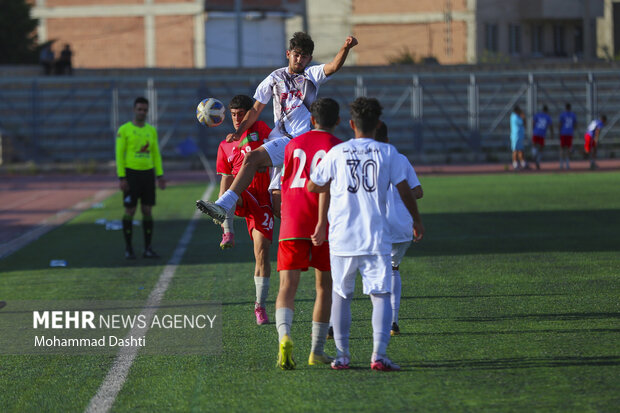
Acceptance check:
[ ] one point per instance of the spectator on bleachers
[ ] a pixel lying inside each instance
(46, 58)
(63, 64)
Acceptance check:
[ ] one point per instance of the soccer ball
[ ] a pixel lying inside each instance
(210, 112)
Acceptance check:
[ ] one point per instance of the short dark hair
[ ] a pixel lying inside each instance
(302, 42)
(381, 134)
(516, 109)
(604, 118)
(241, 102)
(568, 106)
(365, 114)
(325, 112)
(545, 108)
(140, 99)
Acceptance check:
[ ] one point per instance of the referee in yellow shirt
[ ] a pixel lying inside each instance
(138, 165)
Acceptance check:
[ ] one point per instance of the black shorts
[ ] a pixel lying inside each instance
(141, 186)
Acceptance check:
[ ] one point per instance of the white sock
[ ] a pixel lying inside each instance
(319, 335)
(284, 320)
(515, 165)
(262, 290)
(395, 297)
(341, 317)
(228, 200)
(381, 316)
(227, 225)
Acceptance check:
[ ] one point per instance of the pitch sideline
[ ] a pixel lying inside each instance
(105, 397)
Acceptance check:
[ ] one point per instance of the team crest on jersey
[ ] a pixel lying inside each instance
(253, 136)
(300, 79)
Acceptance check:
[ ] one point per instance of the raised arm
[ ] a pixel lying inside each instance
(248, 120)
(335, 65)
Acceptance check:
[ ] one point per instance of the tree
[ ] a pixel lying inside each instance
(18, 39)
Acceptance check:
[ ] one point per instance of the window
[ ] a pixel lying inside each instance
(578, 37)
(537, 40)
(514, 38)
(490, 37)
(559, 48)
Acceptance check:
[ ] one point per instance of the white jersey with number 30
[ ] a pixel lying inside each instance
(361, 171)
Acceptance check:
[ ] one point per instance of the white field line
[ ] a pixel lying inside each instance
(117, 375)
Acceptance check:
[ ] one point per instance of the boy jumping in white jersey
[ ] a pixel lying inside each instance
(357, 174)
(293, 89)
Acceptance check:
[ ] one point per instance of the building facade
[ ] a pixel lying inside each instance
(162, 33)
(210, 33)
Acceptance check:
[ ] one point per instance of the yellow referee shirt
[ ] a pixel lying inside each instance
(137, 148)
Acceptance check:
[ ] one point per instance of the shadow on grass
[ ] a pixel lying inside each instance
(91, 246)
(516, 363)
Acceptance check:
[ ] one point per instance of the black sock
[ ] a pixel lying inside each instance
(147, 226)
(128, 230)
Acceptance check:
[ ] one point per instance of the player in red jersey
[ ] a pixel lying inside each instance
(299, 219)
(254, 203)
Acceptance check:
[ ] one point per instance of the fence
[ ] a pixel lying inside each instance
(432, 118)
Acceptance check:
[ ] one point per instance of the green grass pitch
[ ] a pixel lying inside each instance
(510, 303)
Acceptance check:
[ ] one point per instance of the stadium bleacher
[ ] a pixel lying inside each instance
(433, 116)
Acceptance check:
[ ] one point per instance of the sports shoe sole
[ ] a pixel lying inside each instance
(214, 211)
(285, 355)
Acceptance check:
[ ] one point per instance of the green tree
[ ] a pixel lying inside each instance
(18, 39)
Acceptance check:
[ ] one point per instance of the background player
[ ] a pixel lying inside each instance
(401, 226)
(293, 89)
(300, 216)
(568, 123)
(517, 132)
(138, 162)
(254, 203)
(541, 122)
(357, 174)
(591, 138)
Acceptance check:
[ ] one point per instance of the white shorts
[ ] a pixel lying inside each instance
(275, 150)
(276, 177)
(398, 252)
(375, 269)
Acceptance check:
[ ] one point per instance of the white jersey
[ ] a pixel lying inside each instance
(292, 93)
(361, 171)
(399, 218)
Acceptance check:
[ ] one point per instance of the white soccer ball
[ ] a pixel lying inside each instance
(210, 112)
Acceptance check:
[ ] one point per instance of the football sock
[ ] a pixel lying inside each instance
(227, 225)
(395, 296)
(262, 290)
(284, 320)
(227, 200)
(319, 335)
(147, 227)
(381, 316)
(341, 317)
(127, 229)
(515, 165)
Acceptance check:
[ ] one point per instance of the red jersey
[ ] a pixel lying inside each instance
(230, 154)
(300, 208)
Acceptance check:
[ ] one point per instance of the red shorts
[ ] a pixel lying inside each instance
(299, 254)
(538, 140)
(256, 210)
(589, 143)
(566, 141)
